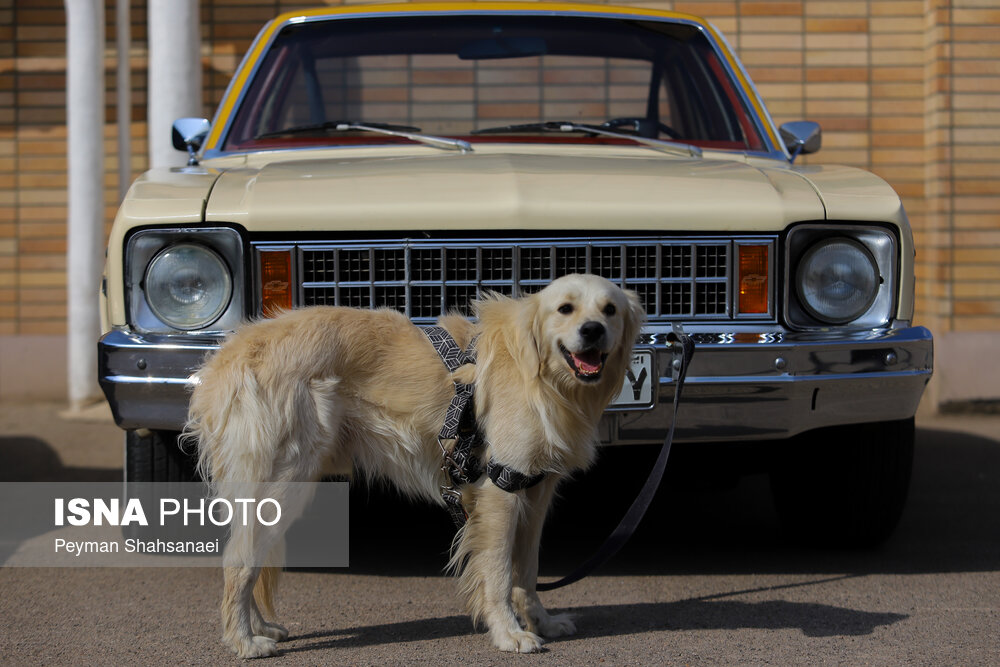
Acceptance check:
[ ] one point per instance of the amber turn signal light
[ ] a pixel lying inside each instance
(753, 262)
(275, 282)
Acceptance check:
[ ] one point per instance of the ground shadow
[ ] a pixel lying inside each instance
(29, 459)
(710, 613)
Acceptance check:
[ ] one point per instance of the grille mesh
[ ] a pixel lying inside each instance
(675, 278)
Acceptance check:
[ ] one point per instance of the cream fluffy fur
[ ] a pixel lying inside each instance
(326, 390)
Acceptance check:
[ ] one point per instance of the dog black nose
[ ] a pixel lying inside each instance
(591, 332)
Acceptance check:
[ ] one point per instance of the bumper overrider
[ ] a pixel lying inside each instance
(740, 386)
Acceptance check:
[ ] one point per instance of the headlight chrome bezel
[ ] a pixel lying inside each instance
(879, 245)
(146, 246)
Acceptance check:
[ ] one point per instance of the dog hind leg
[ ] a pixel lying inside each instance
(237, 614)
(243, 627)
(263, 595)
(312, 419)
(252, 561)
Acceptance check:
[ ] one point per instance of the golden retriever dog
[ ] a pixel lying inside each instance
(328, 390)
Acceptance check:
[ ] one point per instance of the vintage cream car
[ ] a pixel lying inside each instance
(412, 156)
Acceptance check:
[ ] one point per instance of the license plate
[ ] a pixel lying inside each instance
(639, 389)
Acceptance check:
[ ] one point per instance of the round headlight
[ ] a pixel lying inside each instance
(837, 280)
(188, 286)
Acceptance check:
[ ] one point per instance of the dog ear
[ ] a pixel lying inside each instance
(527, 334)
(635, 317)
(514, 324)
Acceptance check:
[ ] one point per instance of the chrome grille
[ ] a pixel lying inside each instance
(676, 278)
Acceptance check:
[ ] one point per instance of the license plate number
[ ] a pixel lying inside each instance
(639, 389)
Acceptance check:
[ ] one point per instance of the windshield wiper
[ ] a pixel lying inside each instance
(673, 147)
(404, 131)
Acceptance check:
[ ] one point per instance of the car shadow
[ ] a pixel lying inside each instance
(704, 520)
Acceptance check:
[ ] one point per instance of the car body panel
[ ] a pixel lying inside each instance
(752, 378)
(503, 187)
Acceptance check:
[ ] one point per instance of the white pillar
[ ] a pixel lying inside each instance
(85, 152)
(174, 29)
(123, 94)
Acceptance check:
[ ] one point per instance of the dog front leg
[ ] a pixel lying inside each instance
(526, 543)
(488, 578)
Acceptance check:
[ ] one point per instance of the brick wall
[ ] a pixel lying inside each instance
(909, 89)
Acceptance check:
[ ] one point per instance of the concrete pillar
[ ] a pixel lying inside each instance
(85, 152)
(174, 29)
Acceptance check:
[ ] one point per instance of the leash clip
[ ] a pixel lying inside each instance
(682, 349)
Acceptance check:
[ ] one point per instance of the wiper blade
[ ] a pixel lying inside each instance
(404, 131)
(331, 125)
(672, 147)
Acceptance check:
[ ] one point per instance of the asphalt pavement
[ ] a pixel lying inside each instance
(707, 580)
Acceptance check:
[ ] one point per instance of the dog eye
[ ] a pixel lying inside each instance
(610, 309)
(566, 309)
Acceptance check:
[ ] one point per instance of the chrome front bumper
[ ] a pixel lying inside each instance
(740, 386)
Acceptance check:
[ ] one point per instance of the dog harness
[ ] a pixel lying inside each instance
(461, 464)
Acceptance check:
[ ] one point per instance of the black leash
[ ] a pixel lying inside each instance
(683, 348)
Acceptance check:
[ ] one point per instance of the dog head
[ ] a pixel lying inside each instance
(577, 332)
(584, 327)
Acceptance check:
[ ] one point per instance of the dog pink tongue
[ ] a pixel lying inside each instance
(588, 362)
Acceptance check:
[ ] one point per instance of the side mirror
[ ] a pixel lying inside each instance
(801, 136)
(189, 134)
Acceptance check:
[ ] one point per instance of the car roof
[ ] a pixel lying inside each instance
(467, 7)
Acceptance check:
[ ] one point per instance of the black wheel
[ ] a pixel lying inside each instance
(155, 456)
(844, 486)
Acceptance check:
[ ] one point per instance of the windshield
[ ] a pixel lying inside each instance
(491, 78)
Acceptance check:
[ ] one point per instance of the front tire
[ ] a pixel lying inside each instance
(155, 456)
(844, 486)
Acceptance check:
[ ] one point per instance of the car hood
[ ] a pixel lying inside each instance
(451, 191)
(630, 190)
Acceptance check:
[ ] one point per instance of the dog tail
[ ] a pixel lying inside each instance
(225, 423)
(263, 590)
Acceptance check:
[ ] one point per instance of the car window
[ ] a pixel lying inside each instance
(457, 75)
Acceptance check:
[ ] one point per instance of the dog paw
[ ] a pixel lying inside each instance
(256, 647)
(517, 641)
(558, 625)
(272, 631)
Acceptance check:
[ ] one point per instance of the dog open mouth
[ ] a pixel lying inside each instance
(587, 364)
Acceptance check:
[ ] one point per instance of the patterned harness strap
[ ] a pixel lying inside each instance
(461, 463)
(508, 479)
(460, 420)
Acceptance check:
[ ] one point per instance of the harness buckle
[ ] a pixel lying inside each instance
(453, 503)
(448, 463)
